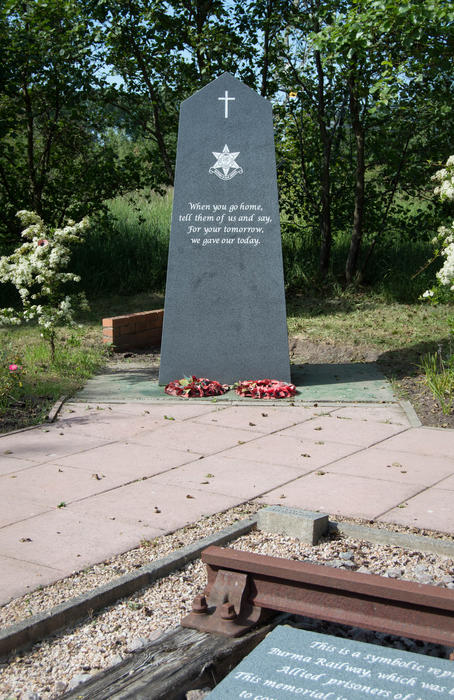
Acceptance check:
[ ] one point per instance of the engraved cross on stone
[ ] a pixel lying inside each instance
(226, 100)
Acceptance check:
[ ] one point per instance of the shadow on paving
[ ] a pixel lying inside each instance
(348, 383)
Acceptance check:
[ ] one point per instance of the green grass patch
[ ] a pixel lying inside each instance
(126, 252)
(27, 394)
(439, 373)
(347, 318)
(359, 318)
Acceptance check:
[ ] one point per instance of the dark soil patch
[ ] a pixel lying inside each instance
(400, 367)
(23, 414)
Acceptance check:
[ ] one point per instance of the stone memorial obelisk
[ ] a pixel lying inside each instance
(224, 314)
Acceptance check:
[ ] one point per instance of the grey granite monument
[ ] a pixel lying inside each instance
(224, 314)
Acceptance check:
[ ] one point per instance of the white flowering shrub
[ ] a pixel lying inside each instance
(36, 269)
(444, 240)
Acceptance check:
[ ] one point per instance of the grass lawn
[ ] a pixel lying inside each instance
(401, 333)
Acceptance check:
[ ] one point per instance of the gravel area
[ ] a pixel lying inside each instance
(149, 550)
(63, 660)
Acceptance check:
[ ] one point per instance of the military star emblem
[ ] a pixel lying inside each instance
(226, 161)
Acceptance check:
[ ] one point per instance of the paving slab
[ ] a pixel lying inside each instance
(259, 419)
(10, 465)
(233, 477)
(193, 437)
(14, 510)
(48, 485)
(68, 540)
(334, 429)
(152, 504)
(393, 466)
(430, 509)
(291, 451)
(426, 441)
(389, 413)
(41, 445)
(341, 494)
(127, 460)
(20, 576)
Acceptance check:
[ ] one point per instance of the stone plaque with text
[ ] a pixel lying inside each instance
(293, 663)
(224, 314)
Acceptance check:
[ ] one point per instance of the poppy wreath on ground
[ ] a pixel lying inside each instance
(265, 389)
(195, 387)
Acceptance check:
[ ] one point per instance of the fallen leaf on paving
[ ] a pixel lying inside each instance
(204, 482)
(251, 423)
(189, 496)
(209, 476)
(97, 477)
(25, 539)
(264, 415)
(305, 454)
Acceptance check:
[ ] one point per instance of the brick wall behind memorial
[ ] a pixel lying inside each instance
(133, 331)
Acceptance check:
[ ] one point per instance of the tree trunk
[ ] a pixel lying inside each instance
(325, 175)
(358, 214)
(35, 190)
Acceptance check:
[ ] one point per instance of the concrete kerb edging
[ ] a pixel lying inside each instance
(411, 414)
(313, 525)
(39, 626)
(419, 543)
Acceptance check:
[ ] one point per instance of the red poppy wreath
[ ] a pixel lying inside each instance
(195, 387)
(265, 389)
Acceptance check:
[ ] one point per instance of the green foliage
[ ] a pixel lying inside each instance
(439, 374)
(126, 252)
(36, 269)
(53, 111)
(27, 394)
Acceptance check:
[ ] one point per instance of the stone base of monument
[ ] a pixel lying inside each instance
(346, 383)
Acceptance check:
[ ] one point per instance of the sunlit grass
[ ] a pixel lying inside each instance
(368, 319)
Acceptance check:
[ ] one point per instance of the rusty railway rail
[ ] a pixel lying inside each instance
(244, 588)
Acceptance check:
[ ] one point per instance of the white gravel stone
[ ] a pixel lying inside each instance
(106, 638)
(78, 679)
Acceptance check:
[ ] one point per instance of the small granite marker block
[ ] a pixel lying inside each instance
(293, 522)
(224, 314)
(293, 663)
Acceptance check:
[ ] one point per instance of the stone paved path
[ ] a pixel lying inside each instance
(105, 476)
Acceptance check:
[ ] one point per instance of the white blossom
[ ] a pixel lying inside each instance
(38, 265)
